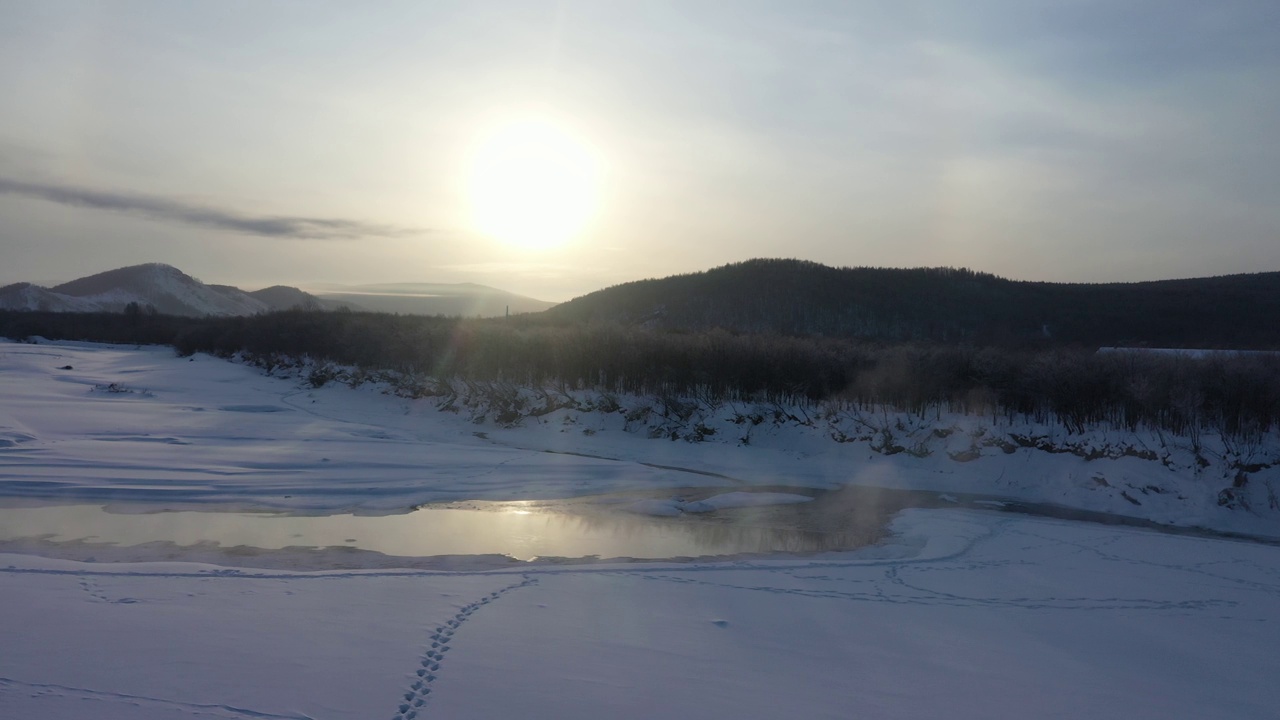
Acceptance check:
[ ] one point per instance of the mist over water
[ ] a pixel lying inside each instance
(598, 527)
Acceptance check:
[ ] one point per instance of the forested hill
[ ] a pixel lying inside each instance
(794, 297)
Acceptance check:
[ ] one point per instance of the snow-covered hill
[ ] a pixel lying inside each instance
(25, 296)
(164, 287)
(154, 285)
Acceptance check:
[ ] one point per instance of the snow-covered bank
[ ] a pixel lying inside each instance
(963, 615)
(89, 422)
(959, 613)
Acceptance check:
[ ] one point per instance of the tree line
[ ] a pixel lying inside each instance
(1078, 387)
(948, 305)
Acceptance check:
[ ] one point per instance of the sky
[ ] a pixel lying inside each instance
(260, 143)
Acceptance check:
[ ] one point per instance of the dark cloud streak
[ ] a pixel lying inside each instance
(160, 208)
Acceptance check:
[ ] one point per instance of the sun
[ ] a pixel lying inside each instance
(533, 184)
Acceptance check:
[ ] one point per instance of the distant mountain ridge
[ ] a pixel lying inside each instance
(765, 296)
(464, 299)
(167, 290)
(283, 297)
(163, 287)
(153, 287)
(795, 297)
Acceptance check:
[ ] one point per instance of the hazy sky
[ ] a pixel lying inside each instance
(255, 143)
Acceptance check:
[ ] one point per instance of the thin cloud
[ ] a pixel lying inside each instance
(160, 208)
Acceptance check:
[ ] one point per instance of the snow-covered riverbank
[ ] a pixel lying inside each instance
(958, 613)
(88, 422)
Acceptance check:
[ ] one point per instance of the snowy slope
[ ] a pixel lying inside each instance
(204, 430)
(25, 296)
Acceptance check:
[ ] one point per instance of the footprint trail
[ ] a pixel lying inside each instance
(414, 701)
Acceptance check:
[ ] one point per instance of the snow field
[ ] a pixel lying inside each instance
(964, 615)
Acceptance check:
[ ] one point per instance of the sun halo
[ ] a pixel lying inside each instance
(533, 185)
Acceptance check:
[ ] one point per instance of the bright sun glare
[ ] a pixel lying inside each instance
(533, 185)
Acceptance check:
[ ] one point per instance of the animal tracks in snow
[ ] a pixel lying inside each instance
(414, 700)
(94, 590)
